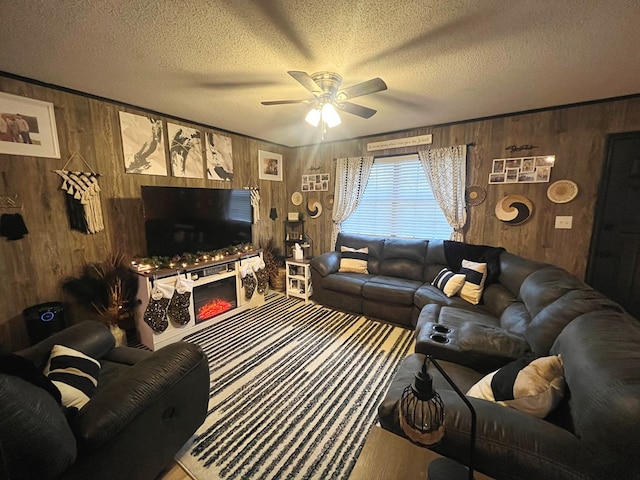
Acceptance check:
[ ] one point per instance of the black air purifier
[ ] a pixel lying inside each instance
(43, 320)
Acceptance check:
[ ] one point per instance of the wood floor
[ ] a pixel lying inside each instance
(174, 473)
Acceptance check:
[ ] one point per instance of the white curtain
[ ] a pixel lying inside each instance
(351, 179)
(446, 172)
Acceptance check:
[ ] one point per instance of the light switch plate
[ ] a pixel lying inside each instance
(564, 222)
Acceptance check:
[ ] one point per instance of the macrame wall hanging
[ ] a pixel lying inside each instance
(83, 197)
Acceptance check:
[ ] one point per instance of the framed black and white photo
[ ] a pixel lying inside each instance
(27, 127)
(269, 166)
(219, 157)
(318, 182)
(143, 144)
(185, 151)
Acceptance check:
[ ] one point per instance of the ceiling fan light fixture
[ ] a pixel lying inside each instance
(313, 117)
(330, 115)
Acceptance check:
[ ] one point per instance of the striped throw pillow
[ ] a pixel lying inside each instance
(354, 260)
(74, 373)
(449, 282)
(533, 387)
(476, 274)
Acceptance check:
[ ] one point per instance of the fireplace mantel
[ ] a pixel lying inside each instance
(202, 275)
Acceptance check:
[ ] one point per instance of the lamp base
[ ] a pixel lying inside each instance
(446, 469)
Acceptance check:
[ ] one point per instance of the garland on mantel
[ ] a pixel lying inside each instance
(186, 260)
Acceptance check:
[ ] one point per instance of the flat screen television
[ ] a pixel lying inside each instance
(189, 220)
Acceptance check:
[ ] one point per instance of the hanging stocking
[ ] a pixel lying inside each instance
(179, 305)
(261, 275)
(248, 281)
(155, 314)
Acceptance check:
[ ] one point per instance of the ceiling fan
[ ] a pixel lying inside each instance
(328, 98)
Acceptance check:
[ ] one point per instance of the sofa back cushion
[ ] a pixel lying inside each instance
(514, 270)
(601, 355)
(374, 244)
(436, 260)
(404, 258)
(553, 298)
(506, 306)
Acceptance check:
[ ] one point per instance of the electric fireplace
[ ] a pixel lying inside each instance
(214, 298)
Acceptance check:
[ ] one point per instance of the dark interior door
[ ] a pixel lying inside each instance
(614, 260)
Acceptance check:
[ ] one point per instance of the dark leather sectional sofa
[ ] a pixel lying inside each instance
(528, 309)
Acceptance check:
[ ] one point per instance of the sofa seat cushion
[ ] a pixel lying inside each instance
(348, 283)
(453, 317)
(382, 288)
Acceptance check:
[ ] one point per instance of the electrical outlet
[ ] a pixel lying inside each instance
(564, 222)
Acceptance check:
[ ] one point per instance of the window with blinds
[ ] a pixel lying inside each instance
(398, 202)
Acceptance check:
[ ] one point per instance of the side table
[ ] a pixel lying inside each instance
(298, 279)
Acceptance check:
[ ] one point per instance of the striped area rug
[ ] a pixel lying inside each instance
(294, 391)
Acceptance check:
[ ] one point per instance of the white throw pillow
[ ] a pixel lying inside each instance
(475, 275)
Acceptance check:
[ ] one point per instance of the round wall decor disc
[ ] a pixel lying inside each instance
(514, 209)
(562, 191)
(475, 195)
(296, 198)
(314, 208)
(328, 202)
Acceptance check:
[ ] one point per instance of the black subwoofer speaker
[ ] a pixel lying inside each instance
(43, 319)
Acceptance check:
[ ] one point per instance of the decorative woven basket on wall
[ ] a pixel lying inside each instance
(278, 281)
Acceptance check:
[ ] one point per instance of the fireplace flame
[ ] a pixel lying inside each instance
(213, 308)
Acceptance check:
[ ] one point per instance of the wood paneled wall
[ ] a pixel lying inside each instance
(33, 267)
(575, 135)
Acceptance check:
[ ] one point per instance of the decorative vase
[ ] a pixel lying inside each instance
(119, 334)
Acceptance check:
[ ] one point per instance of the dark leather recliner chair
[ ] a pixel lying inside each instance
(146, 406)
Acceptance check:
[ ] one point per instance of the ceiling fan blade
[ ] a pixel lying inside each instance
(284, 102)
(365, 88)
(306, 81)
(355, 109)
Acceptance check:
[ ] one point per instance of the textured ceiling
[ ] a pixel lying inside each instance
(213, 62)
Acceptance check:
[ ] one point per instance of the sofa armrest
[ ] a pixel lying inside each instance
(159, 380)
(326, 263)
(509, 441)
(482, 347)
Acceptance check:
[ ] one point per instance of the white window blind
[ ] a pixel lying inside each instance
(398, 202)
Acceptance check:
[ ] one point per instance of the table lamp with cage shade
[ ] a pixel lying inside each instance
(422, 419)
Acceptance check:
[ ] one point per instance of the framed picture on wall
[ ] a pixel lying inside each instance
(269, 166)
(219, 157)
(185, 151)
(27, 127)
(143, 144)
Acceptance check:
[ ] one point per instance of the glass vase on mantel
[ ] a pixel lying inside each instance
(111, 320)
(118, 334)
